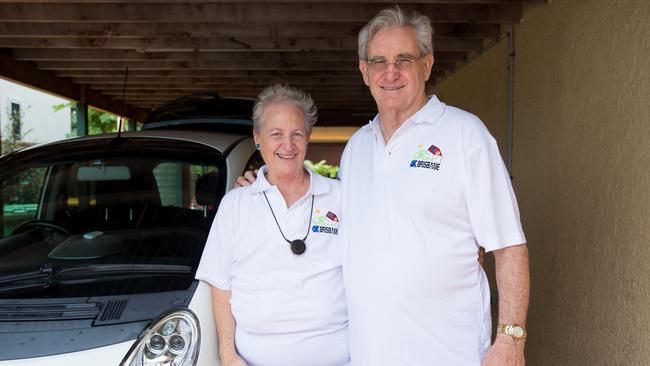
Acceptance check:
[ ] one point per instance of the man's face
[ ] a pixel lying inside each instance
(397, 90)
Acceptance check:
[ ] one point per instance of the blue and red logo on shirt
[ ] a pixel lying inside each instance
(328, 223)
(430, 158)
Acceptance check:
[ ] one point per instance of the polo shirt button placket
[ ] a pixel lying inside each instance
(294, 215)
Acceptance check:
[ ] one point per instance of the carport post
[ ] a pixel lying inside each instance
(82, 114)
(132, 126)
(82, 119)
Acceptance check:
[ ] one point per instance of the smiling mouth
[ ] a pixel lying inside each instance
(391, 88)
(286, 156)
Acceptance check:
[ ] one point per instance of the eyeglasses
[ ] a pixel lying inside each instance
(380, 64)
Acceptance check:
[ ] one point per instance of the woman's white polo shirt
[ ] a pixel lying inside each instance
(287, 306)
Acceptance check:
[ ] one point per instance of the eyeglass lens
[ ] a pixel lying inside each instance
(401, 63)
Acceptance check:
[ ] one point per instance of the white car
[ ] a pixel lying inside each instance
(100, 238)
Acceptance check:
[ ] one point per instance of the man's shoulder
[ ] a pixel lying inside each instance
(461, 117)
(363, 132)
(361, 137)
(466, 126)
(466, 123)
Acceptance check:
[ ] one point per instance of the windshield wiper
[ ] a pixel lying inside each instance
(98, 270)
(25, 280)
(47, 275)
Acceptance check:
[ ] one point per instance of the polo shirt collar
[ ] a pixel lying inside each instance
(317, 184)
(429, 113)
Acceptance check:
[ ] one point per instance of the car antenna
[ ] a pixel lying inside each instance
(118, 139)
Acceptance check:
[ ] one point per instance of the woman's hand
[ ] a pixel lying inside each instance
(234, 361)
(481, 256)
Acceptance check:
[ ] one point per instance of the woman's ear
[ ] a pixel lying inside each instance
(256, 141)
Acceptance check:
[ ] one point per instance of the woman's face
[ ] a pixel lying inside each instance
(283, 139)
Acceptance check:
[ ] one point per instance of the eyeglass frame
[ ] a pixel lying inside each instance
(375, 62)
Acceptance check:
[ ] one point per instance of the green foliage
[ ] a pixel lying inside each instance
(98, 122)
(13, 133)
(23, 188)
(322, 168)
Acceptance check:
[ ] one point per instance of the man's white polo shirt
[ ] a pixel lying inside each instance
(414, 209)
(290, 309)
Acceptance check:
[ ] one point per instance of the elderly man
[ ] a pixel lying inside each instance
(423, 184)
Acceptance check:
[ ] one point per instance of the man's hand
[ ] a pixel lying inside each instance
(481, 256)
(505, 352)
(248, 178)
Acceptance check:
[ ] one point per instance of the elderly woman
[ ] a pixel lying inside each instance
(272, 256)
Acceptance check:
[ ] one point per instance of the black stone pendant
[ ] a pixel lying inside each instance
(298, 247)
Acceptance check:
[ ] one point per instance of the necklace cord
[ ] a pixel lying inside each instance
(311, 212)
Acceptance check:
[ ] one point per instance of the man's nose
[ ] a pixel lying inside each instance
(392, 72)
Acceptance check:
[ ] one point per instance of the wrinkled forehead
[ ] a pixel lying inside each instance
(394, 41)
(283, 115)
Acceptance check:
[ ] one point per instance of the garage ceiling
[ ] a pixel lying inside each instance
(80, 50)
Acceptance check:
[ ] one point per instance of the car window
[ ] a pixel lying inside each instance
(20, 195)
(135, 206)
(176, 183)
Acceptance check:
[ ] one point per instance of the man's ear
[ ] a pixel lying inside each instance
(363, 67)
(427, 63)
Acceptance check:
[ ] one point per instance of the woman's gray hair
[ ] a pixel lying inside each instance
(394, 17)
(284, 94)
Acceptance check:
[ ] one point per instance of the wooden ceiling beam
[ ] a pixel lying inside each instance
(188, 30)
(248, 12)
(198, 74)
(362, 101)
(215, 65)
(134, 80)
(220, 44)
(141, 87)
(246, 89)
(389, 2)
(28, 74)
(56, 54)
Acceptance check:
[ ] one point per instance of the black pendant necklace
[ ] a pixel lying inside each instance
(298, 246)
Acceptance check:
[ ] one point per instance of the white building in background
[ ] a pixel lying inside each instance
(38, 120)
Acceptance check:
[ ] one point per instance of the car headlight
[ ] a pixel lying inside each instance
(173, 340)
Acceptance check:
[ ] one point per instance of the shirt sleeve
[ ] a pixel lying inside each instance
(217, 258)
(491, 201)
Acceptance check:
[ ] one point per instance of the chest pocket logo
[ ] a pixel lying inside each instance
(328, 223)
(430, 158)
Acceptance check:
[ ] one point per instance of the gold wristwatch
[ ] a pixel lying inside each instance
(515, 331)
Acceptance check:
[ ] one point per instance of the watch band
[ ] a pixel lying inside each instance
(515, 331)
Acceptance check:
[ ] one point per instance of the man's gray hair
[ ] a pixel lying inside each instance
(284, 94)
(394, 17)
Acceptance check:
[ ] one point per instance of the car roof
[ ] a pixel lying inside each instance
(206, 110)
(218, 140)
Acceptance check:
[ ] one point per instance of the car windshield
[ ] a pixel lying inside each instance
(107, 220)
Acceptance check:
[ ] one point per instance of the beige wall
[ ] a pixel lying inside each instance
(582, 173)
(467, 88)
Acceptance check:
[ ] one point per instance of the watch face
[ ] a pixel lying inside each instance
(517, 331)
